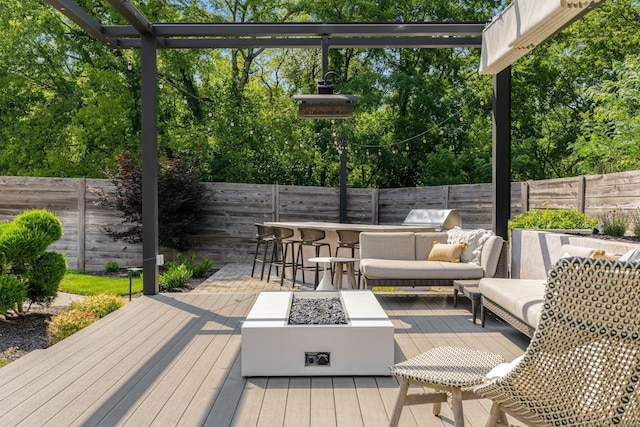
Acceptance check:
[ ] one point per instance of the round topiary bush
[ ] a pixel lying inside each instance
(99, 305)
(20, 245)
(68, 323)
(23, 254)
(41, 221)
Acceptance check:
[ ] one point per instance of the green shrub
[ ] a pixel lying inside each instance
(175, 277)
(111, 267)
(99, 305)
(68, 323)
(23, 254)
(12, 294)
(198, 269)
(45, 276)
(557, 219)
(3, 362)
(20, 245)
(613, 223)
(42, 221)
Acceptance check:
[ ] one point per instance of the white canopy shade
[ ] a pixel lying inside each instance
(523, 25)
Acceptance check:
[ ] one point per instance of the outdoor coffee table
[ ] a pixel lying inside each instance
(342, 264)
(470, 289)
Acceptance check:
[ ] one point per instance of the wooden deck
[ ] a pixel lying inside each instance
(174, 360)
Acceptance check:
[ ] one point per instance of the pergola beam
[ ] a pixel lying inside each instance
(82, 19)
(309, 43)
(297, 29)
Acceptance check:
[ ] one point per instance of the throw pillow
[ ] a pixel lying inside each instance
(602, 254)
(474, 239)
(447, 252)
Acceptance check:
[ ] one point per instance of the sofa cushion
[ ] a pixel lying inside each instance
(491, 251)
(393, 245)
(521, 297)
(474, 239)
(446, 252)
(401, 269)
(425, 240)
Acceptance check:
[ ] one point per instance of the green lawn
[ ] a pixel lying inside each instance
(89, 284)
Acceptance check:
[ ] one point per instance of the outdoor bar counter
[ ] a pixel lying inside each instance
(331, 235)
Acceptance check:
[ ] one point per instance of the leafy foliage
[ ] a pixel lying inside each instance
(558, 219)
(111, 267)
(12, 294)
(179, 200)
(174, 278)
(99, 305)
(69, 105)
(68, 323)
(613, 222)
(198, 269)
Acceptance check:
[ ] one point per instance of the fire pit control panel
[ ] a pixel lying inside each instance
(319, 358)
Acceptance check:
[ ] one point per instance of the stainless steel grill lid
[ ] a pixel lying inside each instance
(440, 219)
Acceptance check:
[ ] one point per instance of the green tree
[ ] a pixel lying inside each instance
(610, 141)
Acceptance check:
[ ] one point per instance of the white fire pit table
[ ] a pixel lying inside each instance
(273, 347)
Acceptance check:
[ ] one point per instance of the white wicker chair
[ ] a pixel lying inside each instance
(582, 367)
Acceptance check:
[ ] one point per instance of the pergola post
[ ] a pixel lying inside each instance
(149, 77)
(501, 171)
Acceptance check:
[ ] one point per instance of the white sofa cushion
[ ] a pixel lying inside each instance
(402, 269)
(521, 297)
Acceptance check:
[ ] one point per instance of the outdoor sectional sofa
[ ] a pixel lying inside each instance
(518, 301)
(401, 259)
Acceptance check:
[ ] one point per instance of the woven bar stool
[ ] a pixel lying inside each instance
(282, 243)
(451, 371)
(349, 239)
(311, 237)
(264, 238)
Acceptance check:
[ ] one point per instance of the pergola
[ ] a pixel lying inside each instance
(497, 40)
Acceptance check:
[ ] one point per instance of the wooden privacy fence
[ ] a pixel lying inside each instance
(231, 210)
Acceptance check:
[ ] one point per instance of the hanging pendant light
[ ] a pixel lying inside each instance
(326, 104)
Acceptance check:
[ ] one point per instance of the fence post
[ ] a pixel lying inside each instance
(445, 197)
(582, 190)
(82, 194)
(524, 197)
(275, 202)
(375, 205)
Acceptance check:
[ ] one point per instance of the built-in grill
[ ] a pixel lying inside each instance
(440, 219)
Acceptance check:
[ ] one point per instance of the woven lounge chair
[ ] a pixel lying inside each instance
(582, 366)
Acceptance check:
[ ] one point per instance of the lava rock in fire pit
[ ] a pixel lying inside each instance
(316, 311)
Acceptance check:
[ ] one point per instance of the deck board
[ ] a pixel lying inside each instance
(174, 360)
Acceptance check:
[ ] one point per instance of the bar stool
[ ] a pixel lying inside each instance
(264, 236)
(311, 237)
(282, 241)
(349, 239)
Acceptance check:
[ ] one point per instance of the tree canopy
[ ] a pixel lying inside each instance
(69, 105)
